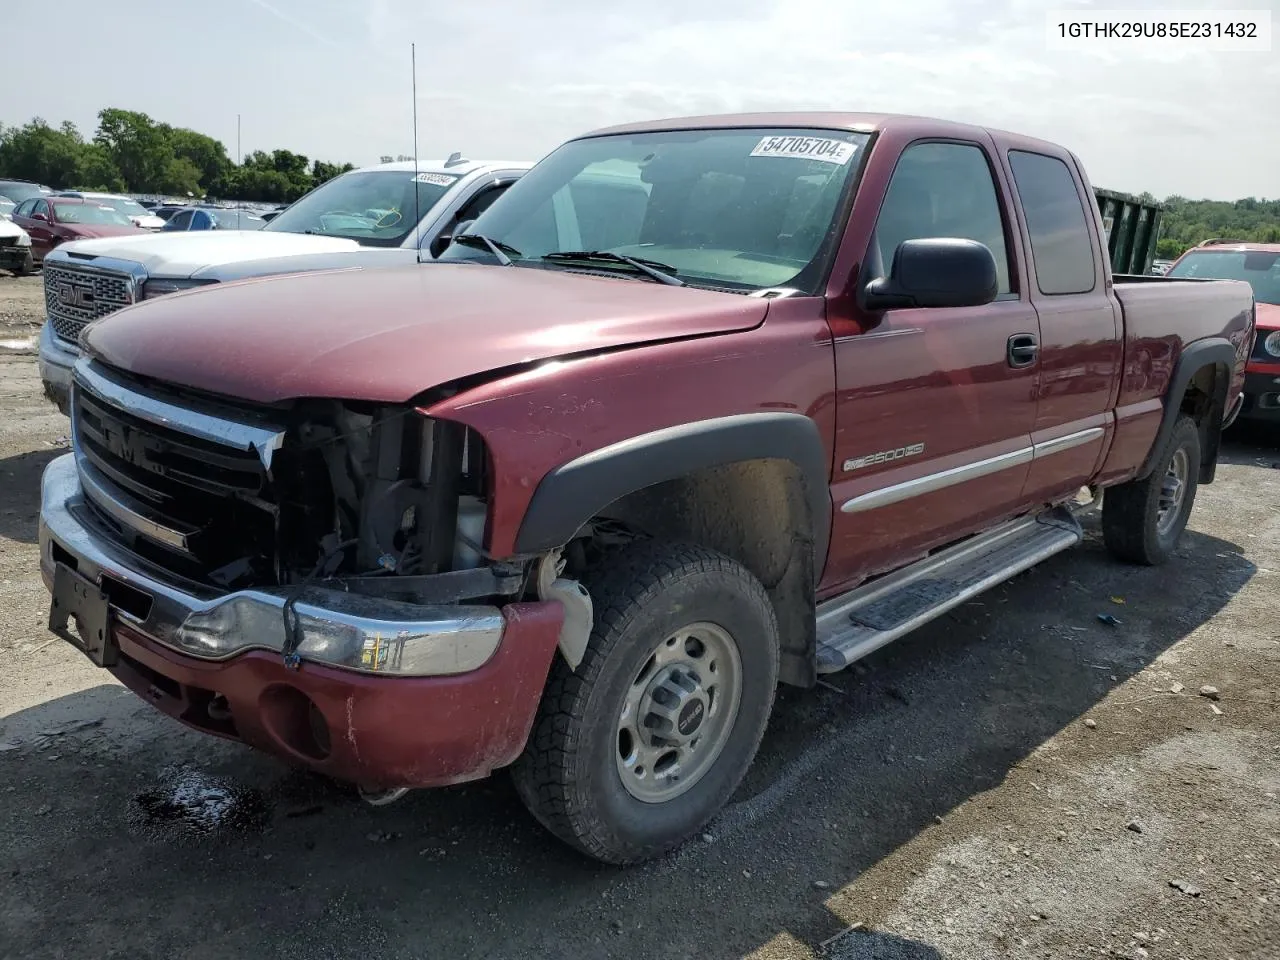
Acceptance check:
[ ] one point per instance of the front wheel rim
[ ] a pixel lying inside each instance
(678, 713)
(1173, 491)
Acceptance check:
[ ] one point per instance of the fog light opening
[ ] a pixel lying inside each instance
(295, 722)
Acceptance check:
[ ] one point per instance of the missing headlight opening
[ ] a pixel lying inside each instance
(385, 501)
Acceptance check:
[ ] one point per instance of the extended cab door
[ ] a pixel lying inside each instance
(935, 406)
(1080, 323)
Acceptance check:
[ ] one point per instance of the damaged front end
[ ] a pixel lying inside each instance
(333, 532)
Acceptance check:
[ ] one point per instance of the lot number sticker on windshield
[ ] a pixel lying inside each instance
(806, 148)
(435, 179)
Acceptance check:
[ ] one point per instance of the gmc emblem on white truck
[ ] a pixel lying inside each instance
(884, 456)
(75, 295)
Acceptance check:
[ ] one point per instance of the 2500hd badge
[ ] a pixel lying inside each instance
(884, 456)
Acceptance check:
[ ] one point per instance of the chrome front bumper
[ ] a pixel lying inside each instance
(57, 358)
(338, 629)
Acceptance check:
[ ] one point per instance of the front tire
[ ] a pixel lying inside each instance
(1142, 520)
(639, 747)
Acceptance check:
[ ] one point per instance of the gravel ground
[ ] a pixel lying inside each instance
(1018, 779)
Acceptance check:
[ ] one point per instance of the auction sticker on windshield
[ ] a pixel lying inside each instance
(435, 179)
(806, 148)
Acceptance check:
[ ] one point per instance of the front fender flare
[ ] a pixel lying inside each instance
(571, 494)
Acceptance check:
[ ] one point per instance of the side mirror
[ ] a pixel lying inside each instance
(935, 272)
(40, 216)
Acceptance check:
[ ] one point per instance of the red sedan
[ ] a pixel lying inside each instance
(51, 221)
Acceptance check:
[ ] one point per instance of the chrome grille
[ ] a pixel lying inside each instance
(157, 485)
(73, 297)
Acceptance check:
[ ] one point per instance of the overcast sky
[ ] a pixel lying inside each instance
(510, 80)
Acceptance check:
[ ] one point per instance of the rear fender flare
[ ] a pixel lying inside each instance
(1212, 352)
(571, 494)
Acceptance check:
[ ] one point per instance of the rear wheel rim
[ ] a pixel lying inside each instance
(678, 713)
(1173, 491)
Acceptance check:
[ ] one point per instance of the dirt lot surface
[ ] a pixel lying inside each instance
(1019, 779)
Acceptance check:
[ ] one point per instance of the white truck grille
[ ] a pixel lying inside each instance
(75, 297)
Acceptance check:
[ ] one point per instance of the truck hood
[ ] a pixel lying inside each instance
(184, 255)
(10, 229)
(1268, 316)
(388, 335)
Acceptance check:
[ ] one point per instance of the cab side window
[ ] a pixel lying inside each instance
(179, 221)
(1060, 244)
(42, 206)
(943, 190)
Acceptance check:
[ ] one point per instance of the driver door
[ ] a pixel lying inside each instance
(933, 416)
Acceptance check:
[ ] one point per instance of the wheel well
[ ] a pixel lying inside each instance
(755, 511)
(1204, 400)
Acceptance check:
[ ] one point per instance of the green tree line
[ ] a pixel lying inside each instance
(131, 152)
(1185, 223)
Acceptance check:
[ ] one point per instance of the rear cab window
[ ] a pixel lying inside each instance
(1061, 249)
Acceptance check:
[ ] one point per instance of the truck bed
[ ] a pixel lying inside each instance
(1163, 316)
(1177, 312)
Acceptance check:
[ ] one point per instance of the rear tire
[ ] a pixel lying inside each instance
(639, 747)
(1142, 520)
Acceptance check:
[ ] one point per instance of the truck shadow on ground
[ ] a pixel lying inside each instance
(20, 499)
(1249, 443)
(229, 850)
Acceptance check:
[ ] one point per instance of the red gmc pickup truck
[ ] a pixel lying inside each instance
(697, 407)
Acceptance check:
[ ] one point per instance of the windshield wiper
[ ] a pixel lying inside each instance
(496, 247)
(650, 268)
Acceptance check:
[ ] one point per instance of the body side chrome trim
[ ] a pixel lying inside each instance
(933, 482)
(265, 439)
(1078, 439)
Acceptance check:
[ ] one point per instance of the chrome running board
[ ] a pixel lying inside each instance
(854, 624)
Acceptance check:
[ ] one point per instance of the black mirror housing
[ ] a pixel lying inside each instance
(935, 272)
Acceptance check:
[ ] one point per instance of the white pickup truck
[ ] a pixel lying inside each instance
(366, 218)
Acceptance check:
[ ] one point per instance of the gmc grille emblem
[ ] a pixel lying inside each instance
(75, 295)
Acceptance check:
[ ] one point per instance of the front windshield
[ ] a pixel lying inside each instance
(377, 208)
(1260, 269)
(746, 209)
(90, 213)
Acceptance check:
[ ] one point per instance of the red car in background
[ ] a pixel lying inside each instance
(53, 220)
(1259, 265)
